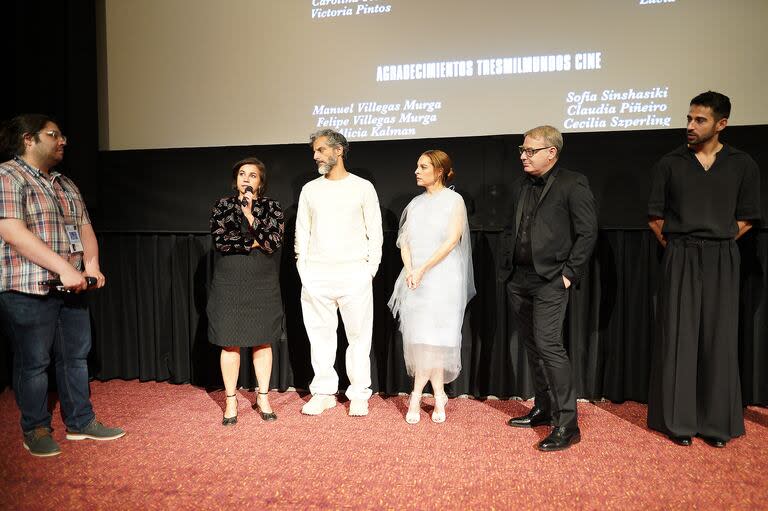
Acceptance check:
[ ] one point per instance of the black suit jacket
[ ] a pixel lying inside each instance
(563, 228)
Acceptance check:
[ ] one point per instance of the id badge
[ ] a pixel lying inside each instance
(75, 243)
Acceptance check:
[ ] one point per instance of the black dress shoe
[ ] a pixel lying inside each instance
(536, 417)
(681, 440)
(265, 416)
(714, 442)
(230, 421)
(560, 438)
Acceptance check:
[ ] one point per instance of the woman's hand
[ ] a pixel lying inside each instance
(248, 207)
(413, 279)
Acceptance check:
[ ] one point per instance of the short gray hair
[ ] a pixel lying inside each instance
(551, 136)
(335, 139)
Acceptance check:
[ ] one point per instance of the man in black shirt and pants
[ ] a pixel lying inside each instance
(705, 195)
(546, 250)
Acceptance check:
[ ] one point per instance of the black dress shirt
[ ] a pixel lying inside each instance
(705, 203)
(530, 198)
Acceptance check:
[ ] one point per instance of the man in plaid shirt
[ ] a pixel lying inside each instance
(45, 233)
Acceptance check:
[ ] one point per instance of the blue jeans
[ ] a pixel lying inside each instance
(38, 326)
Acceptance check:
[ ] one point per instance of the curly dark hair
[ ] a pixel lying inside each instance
(13, 131)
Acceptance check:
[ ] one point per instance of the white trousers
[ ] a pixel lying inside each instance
(347, 288)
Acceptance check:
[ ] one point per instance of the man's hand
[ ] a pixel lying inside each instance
(73, 280)
(566, 282)
(744, 226)
(101, 280)
(657, 225)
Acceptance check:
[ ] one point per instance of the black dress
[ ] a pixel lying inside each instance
(245, 307)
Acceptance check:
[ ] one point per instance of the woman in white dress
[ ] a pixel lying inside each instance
(432, 290)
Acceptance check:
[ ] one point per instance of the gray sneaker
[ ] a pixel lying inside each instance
(39, 442)
(95, 431)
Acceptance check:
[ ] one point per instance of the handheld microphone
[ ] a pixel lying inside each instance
(58, 286)
(248, 188)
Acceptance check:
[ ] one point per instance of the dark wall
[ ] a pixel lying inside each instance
(174, 189)
(52, 54)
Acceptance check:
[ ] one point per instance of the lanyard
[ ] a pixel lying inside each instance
(50, 190)
(70, 198)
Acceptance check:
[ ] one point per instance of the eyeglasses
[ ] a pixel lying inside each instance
(57, 135)
(530, 151)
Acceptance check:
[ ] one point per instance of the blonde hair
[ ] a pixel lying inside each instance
(551, 136)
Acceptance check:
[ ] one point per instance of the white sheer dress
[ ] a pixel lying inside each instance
(431, 315)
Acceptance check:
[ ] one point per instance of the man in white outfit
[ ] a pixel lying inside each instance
(338, 250)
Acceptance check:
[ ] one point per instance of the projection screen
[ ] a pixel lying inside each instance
(200, 73)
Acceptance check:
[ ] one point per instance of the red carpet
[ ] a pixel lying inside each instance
(176, 455)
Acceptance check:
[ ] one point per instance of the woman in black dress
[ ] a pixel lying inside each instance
(245, 308)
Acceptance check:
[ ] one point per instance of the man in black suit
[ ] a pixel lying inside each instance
(546, 250)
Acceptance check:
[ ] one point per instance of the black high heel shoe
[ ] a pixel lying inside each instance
(230, 421)
(271, 416)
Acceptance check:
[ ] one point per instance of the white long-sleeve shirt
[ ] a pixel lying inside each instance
(339, 221)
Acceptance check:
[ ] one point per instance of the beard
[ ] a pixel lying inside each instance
(700, 139)
(324, 168)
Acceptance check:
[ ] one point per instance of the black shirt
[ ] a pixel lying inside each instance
(530, 195)
(705, 203)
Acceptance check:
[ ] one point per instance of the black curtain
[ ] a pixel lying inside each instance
(149, 322)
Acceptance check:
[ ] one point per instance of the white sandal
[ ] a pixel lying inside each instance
(413, 417)
(438, 417)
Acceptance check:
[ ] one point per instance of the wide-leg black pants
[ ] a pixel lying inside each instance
(538, 307)
(695, 387)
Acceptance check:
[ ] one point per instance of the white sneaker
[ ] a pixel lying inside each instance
(358, 408)
(318, 404)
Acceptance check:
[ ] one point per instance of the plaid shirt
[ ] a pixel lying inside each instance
(46, 204)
